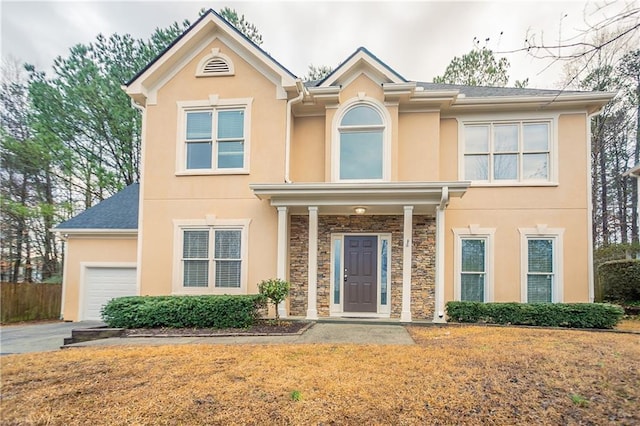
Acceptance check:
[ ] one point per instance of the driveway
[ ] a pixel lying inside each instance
(23, 338)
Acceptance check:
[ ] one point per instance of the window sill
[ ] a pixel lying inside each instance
(205, 172)
(512, 184)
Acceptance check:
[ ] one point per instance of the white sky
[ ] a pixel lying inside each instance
(417, 39)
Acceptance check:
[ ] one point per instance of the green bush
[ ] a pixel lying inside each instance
(620, 280)
(574, 315)
(183, 311)
(276, 290)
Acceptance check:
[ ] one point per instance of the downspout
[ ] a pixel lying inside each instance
(143, 138)
(287, 138)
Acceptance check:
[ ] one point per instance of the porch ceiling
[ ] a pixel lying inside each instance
(376, 198)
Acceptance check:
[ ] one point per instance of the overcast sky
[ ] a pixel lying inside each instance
(417, 39)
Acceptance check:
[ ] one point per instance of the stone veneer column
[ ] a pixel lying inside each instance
(281, 266)
(312, 289)
(438, 313)
(407, 243)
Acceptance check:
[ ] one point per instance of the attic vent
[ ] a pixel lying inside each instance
(215, 64)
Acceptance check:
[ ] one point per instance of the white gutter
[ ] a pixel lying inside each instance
(287, 138)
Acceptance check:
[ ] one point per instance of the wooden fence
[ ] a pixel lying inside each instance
(28, 301)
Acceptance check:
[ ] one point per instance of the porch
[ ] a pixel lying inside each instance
(400, 272)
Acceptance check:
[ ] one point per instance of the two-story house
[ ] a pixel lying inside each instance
(374, 195)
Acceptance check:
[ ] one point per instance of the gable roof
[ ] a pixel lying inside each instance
(361, 60)
(146, 82)
(118, 212)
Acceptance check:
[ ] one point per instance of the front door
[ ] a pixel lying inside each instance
(360, 274)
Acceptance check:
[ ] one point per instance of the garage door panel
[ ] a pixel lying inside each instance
(103, 284)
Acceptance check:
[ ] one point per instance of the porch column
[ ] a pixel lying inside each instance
(312, 288)
(438, 314)
(281, 266)
(407, 244)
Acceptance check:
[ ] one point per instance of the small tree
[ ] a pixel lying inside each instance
(276, 290)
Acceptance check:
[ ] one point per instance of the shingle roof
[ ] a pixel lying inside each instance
(120, 211)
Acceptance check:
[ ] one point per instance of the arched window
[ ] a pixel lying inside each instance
(361, 147)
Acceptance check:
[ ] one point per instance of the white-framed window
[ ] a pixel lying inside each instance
(541, 265)
(504, 152)
(361, 142)
(213, 136)
(210, 257)
(473, 264)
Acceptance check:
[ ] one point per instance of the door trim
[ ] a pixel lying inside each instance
(336, 309)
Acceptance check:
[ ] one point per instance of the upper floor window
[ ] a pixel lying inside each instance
(361, 144)
(214, 139)
(503, 152)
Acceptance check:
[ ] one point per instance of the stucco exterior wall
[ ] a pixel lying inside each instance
(419, 147)
(94, 250)
(506, 209)
(307, 142)
(168, 196)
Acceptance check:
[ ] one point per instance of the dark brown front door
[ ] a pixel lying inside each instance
(360, 274)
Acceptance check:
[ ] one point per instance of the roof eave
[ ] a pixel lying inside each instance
(592, 101)
(94, 231)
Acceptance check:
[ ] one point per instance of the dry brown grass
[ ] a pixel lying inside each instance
(454, 375)
(631, 324)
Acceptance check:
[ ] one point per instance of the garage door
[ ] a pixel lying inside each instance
(102, 285)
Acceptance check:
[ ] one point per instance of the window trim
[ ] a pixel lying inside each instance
(210, 223)
(511, 118)
(213, 104)
(474, 232)
(542, 232)
(386, 138)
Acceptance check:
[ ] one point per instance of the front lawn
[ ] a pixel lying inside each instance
(454, 375)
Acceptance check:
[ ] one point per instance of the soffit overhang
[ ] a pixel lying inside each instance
(376, 198)
(410, 98)
(591, 102)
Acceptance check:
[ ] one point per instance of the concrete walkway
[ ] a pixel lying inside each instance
(363, 334)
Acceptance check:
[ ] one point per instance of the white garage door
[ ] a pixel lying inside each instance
(102, 284)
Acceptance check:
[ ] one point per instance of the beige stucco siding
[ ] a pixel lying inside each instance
(507, 248)
(418, 139)
(506, 209)
(91, 250)
(158, 254)
(307, 143)
(169, 196)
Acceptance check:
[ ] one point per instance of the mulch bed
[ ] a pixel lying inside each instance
(260, 328)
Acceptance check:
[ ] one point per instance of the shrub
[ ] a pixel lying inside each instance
(183, 311)
(574, 315)
(276, 290)
(620, 280)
